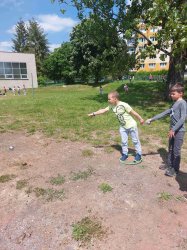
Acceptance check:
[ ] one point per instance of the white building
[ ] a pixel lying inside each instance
(17, 69)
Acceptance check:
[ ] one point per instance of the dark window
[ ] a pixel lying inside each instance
(15, 65)
(8, 71)
(8, 65)
(13, 70)
(16, 71)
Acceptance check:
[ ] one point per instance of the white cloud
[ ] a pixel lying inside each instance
(10, 3)
(54, 46)
(12, 30)
(55, 23)
(6, 46)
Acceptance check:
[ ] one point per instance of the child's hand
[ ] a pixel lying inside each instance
(91, 114)
(141, 121)
(171, 133)
(148, 121)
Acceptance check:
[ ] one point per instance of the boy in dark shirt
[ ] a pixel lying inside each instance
(177, 128)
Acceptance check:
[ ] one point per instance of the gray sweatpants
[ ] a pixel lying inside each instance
(174, 150)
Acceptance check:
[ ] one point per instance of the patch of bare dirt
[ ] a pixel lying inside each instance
(133, 214)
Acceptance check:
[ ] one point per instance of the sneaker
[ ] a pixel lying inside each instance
(170, 172)
(163, 167)
(137, 158)
(123, 158)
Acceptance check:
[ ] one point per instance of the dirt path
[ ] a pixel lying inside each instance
(132, 214)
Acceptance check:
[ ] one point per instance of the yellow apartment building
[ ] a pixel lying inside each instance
(153, 63)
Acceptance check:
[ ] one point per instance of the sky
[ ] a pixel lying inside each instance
(56, 26)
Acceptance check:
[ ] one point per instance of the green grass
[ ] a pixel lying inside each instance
(82, 175)
(87, 229)
(21, 184)
(87, 153)
(49, 194)
(164, 196)
(62, 113)
(59, 180)
(6, 178)
(104, 187)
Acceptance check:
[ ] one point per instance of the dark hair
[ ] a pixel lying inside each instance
(114, 94)
(178, 87)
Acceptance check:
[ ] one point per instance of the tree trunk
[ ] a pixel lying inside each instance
(175, 73)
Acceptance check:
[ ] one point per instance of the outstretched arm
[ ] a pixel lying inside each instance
(159, 116)
(99, 112)
(137, 116)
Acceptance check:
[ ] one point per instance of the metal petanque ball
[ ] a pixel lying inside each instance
(11, 148)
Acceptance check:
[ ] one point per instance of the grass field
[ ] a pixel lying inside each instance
(61, 112)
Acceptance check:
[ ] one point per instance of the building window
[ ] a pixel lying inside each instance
(152, 65)
(163, 65)
(152, 38)
(141, 39)
(153, 29)
(152, 57)
(13, 70)
(142, 66)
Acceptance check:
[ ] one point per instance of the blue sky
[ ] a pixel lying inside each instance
(56, 25)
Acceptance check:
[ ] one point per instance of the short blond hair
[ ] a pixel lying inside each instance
(114, 94)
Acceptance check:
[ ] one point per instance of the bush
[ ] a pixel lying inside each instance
(42, 81)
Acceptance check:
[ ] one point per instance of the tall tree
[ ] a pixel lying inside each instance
(57, 66)
(169, 15)
(31, 38)
(20, 37)
(97, 49)
(37, 43)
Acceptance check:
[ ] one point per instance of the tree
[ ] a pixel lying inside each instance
(31, 39)
(37, 43)
(169, 15)
(97, 49)
(58, 66)
(20, 40)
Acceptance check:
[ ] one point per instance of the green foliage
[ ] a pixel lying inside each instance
(58, 65)
(6, 178)
(104, 187)
(42, 81)
(164, 196)
(59, 180)
(170, 16)
(49, 194)
(87, 229)
(31, 38)
(82, 175)
(21, 184)
(87, 153)
(98, 50)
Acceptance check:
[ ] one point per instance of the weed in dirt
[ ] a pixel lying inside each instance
(104, 187)
(164, 196)
(82, 175)
(59, 180)
(21, 184)
(49, 194)
(142, 166)
(6, 178)
(29, 190)
(109, 150)
(87, 229)
(87, 153)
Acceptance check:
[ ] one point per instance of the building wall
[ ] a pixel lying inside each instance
(29, 59)
(149, 64)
